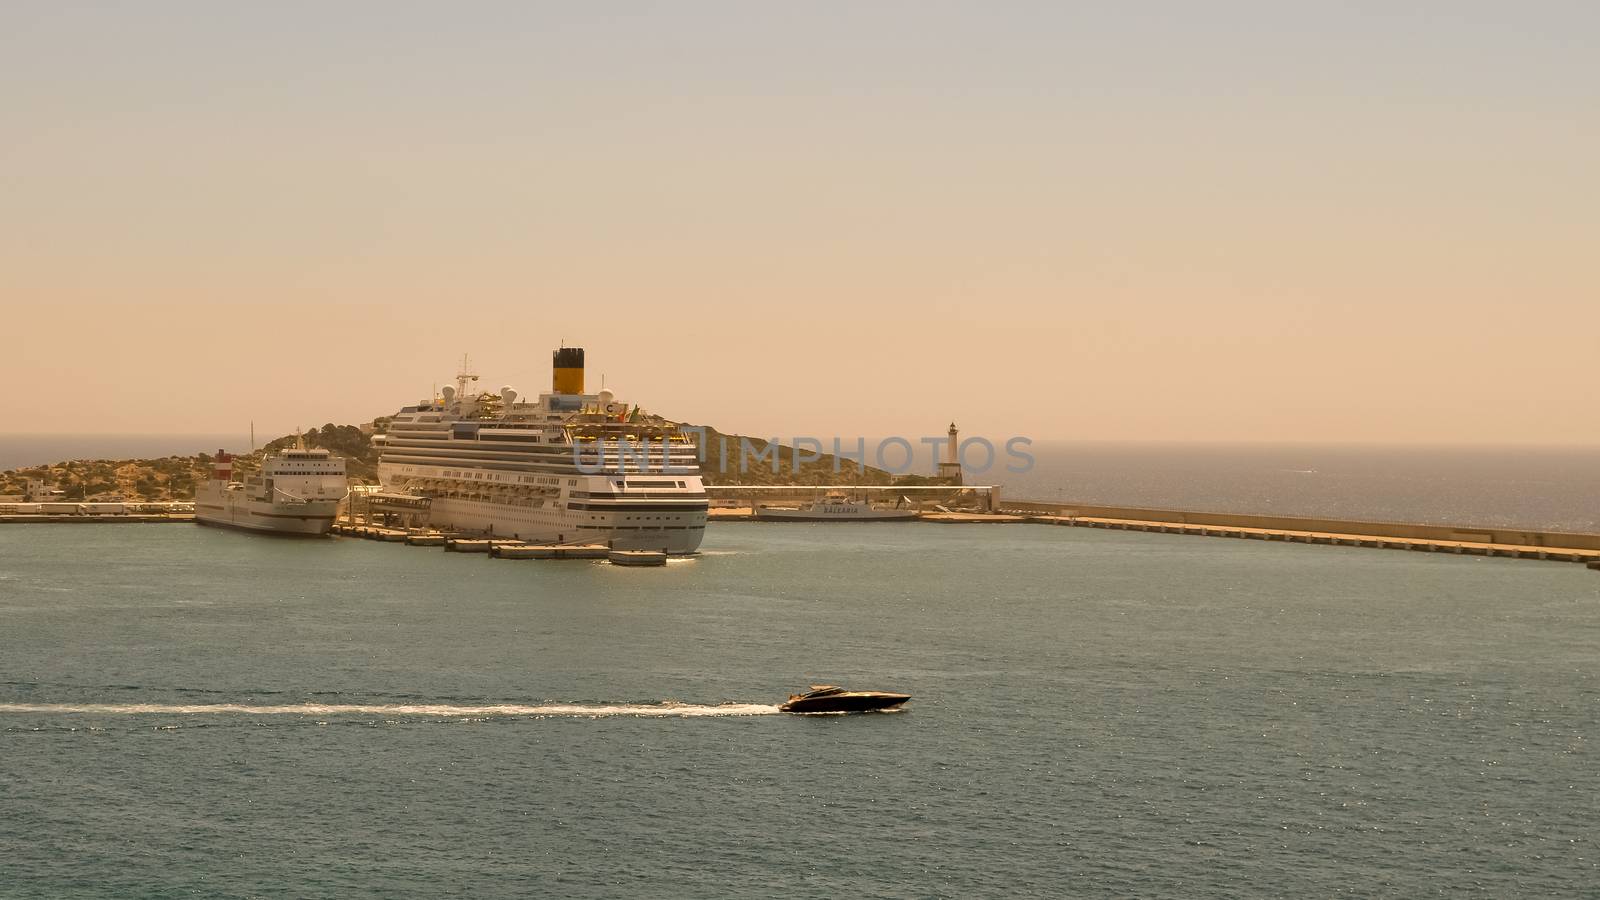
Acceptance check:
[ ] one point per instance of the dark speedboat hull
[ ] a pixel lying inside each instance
(850, 701)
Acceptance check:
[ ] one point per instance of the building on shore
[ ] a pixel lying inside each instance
(37, 490)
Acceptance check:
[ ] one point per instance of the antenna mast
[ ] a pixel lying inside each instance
(464, 378)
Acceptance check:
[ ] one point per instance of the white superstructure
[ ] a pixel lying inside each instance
(569, 467)
(835, 506)
(296, 492)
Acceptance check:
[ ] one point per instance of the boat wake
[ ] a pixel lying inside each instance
(429, 710)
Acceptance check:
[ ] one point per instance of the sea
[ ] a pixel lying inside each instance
(195, 712)
(1550, 488)
(1540, 487)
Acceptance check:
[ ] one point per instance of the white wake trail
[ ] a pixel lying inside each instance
(399, 709)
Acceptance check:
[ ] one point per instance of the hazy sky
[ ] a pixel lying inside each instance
(1364, 221)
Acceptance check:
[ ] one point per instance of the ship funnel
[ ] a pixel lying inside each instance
(222, 467)
(567, 377)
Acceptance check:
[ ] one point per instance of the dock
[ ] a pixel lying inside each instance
(970, 518)
(1510, 543)
(468, 545)
(111, 519)
(1334, 538)
(548, 551)
(1493, 541)
(496, 548)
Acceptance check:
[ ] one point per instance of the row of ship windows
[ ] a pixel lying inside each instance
(549, 452)
(478, 476)
(431, 418)
(520, 438)
(444, 439)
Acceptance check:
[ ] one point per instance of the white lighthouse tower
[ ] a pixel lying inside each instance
(950, 466)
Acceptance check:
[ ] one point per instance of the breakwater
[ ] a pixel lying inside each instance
(1470, 534)
(1520, 543)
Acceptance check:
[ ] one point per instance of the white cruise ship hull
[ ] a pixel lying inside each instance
(678, 532)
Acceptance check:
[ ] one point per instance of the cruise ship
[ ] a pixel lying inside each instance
(568, 467)
(297, 491)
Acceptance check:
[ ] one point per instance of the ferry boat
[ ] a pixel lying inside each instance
(297, 491)
(568, 467)
(834, 506)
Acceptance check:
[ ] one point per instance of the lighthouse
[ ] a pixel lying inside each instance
(950, 466)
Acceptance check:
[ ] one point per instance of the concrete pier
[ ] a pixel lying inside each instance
(549, 551)
(518, 551)
(468, 545)
(1459, 539)
(370, 532)
(74, 519)
(495, 548)
(965, 518)
(1344, 539)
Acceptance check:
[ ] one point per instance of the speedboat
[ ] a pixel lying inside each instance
(832, 698)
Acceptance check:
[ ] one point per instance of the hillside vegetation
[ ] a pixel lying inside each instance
(175, 477)
(722, 466)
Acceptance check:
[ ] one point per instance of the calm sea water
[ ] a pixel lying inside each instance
(1096, 713)
(1534, 487)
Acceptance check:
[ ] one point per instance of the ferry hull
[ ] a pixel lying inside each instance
(314, 521)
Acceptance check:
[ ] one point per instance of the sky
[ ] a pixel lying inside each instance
(1358, 221)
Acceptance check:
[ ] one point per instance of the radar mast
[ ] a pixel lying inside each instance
(465, 378)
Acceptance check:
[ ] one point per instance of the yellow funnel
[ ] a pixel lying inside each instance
(568, 371)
